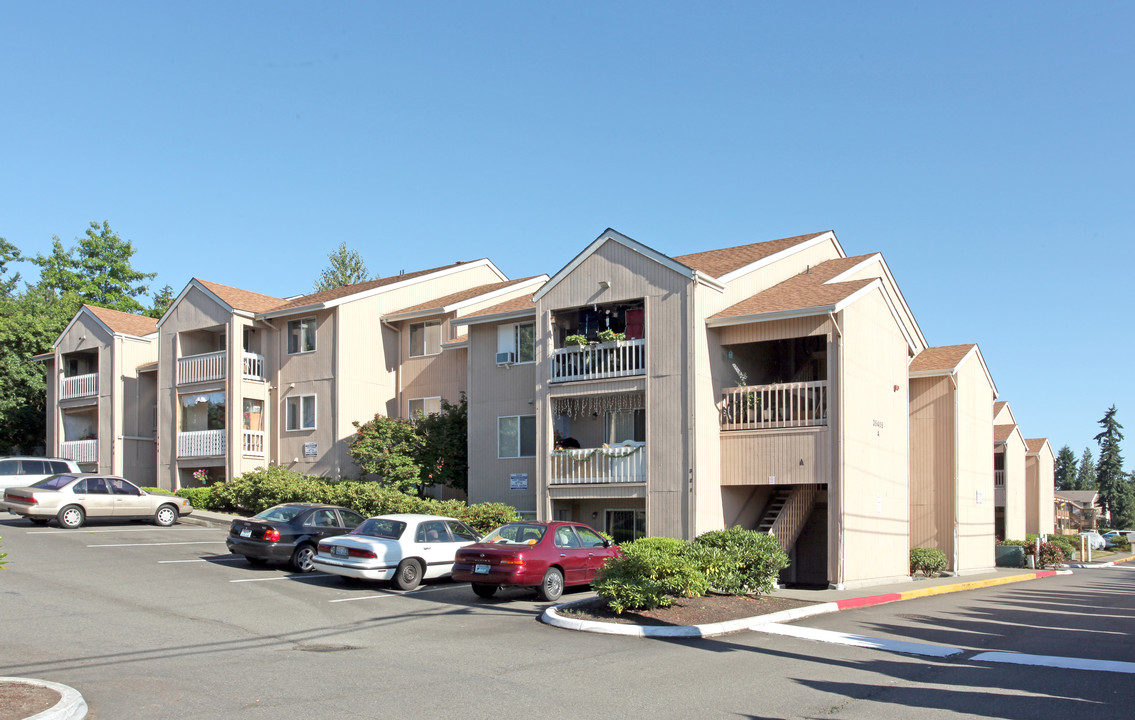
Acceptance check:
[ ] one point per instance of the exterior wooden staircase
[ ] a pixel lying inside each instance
(786, 513)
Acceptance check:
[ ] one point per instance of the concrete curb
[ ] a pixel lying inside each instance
(555, 619)
(71, 705)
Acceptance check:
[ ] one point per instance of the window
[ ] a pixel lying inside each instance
(202, 411)
(301, 336)
(518, 339)
(432, 531)
(516, 436)
(425, 338)
(462, 532)
(424, 406)
(323, 518)
(625, 525)
(301, 412)
(624, 425)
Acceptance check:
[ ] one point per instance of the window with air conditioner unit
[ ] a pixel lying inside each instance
(516, 343)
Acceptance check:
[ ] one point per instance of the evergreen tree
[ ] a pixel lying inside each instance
(347, 268)
(1065, 469)
(97, 269)
(1110, 478)
(162, 300)
(1086, 475)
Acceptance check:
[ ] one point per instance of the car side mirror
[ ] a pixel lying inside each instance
(606, 543)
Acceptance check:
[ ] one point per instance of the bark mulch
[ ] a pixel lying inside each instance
(21, 700)
(687, 611)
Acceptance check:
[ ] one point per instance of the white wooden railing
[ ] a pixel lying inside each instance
(599, 465)
(78, 386)
(83, 451)
(604, 360)
(201, 368)
(790, 522)
(998, 478)
(253, 441)
(783, 405)
(253, 366)
(201, 443)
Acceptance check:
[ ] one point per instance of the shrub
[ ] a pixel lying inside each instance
(158, 491)
(649, 574)
(1050, 554)
(737, 561)
(483, 517)
(1065, 544)
(264, 487)
(388, 447)
(198, 497)
(930, 561)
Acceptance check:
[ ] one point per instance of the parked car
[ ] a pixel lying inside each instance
(289, 533)
(404, 548)
(1111, 536)
(70, 499)
(23, 471)
(1094, 540)
(547, 556)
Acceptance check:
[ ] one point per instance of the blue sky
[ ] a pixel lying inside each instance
(984, 148)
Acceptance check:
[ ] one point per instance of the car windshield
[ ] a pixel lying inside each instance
(516, 534)
(54, 482)
(381, 528)
(280, 513)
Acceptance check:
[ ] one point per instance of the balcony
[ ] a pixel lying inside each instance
(201, 368)
(201, 443)
(782, 405)
(253, 443)
(81, 451)
(599, 465)
(599, 361)
(78, 386)
(999, 478)
(253, 366)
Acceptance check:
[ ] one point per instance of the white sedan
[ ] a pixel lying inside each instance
(404, 548)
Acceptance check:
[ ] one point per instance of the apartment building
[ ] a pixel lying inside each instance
(1040, 481)
(101, 389)
(1009, 474)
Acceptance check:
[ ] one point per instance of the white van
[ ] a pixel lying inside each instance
(22, 471)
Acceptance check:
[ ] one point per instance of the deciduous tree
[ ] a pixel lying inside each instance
(96, 269)
(388, 447)
(444, 456)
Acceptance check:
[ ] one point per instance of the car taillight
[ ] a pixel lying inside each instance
(511, 560)
(356, 552)
(21, 498)
(272, 535)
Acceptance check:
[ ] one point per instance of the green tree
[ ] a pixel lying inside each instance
(1110, 478)
(443, 455)
(1086, 474)
(388, 447)
(8, 253)
(162, 300)
(97, 269)
(1065, 470)
(346, 268)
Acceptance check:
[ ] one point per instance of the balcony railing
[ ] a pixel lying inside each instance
(78, 386)
(783, 405)
(81, 451)
(253, 366)
(201, 368)
(599, 465)
(253, 441)
(201, 443)
(998, 478)
(594, 362)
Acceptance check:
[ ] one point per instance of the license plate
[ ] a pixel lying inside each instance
(480, 569)
(339, 551)
(247, 532)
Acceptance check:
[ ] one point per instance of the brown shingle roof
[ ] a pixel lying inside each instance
(945, 357)
(1001, 433)
(1035, 444)
(524, 302)
(346, 290)
(806, 290)
(241, 299)
(461, 296)
(716, 263)
(124, 323)
(997, 406)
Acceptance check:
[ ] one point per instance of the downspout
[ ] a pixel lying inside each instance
(691, 408)
(839, 570)
(335, 395)
(957, 479)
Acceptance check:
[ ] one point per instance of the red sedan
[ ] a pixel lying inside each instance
(546, 556)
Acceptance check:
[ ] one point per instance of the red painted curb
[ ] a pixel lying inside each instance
(866, 601)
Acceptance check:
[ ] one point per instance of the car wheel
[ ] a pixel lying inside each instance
(40, 521)
(408, 575)
(71, 517)
(482, 590)
(302, 559)
(165, 516)
(552, 586)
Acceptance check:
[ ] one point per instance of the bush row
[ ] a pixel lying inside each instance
(262, 488)
(653, 571)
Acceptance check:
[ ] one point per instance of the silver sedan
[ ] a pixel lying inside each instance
(72, 498)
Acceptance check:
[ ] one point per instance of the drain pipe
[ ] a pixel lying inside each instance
(957, 479)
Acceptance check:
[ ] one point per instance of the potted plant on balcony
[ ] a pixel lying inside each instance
(610, 336)
(579, 340)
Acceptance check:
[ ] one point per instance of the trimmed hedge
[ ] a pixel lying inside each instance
(260, 489)
(740, 562)
(930, 561)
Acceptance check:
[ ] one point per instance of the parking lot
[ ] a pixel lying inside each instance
(154, 622)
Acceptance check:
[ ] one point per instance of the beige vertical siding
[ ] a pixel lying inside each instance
(311, 373)
(1015, 510)
(88, 334)
(443, 375)
(666, 295)
(775, 457)
(765, 277)
(52, 406)
(875, 269)
(932, 457)
(135, 401)
(1040, 474)
(976, 502)
(498, 391)
(872, 524)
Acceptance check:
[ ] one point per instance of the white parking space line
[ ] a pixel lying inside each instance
(312, 578)
(116, 530)
(838, 638)
(1057, 662)
(196, 542)
(388, 595)
(219, 558)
